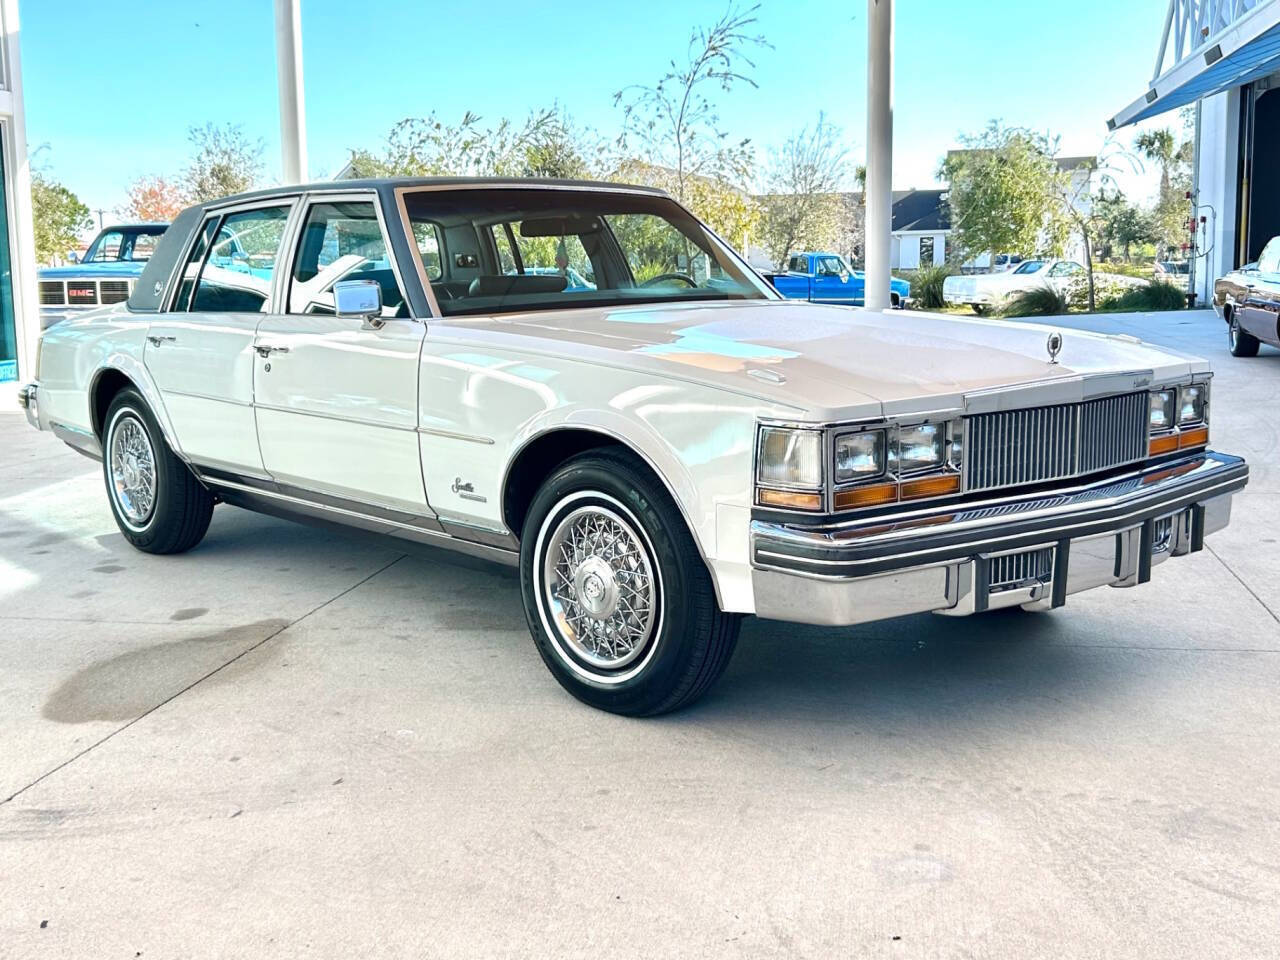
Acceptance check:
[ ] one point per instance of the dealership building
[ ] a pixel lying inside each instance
(1222, 57)
(19, 315)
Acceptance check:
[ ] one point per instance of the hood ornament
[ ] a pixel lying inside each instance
(1054, 346)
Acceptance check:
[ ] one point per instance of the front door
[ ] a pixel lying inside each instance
(1260, 311)
(336, 400)
(200, 353)
(832, 283)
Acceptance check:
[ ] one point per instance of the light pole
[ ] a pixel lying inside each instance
(293, 114)
(879, 195)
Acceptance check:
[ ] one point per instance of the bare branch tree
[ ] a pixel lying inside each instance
(803, 206)
(675, 122)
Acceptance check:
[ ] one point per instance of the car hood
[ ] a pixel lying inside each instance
(81, 270)
(835, 362)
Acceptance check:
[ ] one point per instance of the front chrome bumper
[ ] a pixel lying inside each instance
(941, 559)
(28, 400)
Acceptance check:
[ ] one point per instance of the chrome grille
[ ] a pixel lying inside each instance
(113, 291)
(1015, 568)
(1015, 447)
(51, 293)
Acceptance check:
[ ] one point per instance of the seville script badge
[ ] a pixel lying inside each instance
(1054, 346)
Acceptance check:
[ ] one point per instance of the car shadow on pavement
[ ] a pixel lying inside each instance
(914, 671)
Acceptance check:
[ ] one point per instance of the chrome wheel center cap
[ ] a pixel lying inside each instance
(596, 587)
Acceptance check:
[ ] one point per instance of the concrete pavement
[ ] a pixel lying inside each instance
(293, 743)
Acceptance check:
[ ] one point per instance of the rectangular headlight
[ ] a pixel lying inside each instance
(790, 458)
(1191, 399)
(1162, 410)
(922, 447)
(860, 456)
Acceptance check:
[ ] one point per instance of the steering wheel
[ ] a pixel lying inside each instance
(665, 277)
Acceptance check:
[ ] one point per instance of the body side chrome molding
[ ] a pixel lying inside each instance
(474, 541)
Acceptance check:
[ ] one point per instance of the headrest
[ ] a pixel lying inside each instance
(518, 283)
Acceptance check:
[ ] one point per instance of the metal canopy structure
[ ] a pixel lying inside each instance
(1213, 45)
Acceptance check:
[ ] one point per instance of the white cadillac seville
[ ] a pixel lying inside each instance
(583, 381)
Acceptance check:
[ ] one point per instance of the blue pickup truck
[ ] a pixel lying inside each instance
(827, 278)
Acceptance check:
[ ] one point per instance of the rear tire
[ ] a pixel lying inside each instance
(158, 503)
(1240, 343)
(617, 597)
(980, 309)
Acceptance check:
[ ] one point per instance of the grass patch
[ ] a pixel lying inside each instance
(1040, 302)
(1153, 297)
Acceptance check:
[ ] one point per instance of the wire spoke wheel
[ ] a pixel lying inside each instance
(598, 583)
(133, 470)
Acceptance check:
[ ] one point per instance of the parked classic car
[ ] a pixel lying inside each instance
(986, 291)
(828, 278)
(658, 457)
(106, 274)
(1248, 299)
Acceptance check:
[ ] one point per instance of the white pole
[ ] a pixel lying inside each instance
(293, 115)
(879, 197)
(22, 239)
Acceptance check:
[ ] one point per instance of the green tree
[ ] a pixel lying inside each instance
(802, 207)
(546, 144)
(223, 161)
(1173, 158)
(1123, 225)
(59, 217)
(1006, 193)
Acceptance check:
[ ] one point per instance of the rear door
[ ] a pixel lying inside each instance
(337, 399)
(200, 353)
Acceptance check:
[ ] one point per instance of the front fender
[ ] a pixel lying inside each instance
(701, 467)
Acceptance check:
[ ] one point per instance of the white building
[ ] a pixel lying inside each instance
(1223, 57)
(19, 314)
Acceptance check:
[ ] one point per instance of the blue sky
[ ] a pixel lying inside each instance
(112, 87)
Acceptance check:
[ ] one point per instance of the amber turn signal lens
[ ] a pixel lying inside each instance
(1165, 444)
(790, 499)
(931, 487)
(866, 496)
(1193, 438)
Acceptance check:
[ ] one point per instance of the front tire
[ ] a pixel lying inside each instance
(619, 602)
(981, 309)
(1241, 344)
(159, 505)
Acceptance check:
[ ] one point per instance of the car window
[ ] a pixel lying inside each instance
(799, 265)
(143, 246)
(1030, 266)
(106, 248)
(502, 243)
(341, 241)
(237, 272)
(1065, 269)
(192, 270)
(426, 236)
(1269, 259)
(830, 266)
(518, 248)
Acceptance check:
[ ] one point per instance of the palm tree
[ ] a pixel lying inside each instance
(1160, 147)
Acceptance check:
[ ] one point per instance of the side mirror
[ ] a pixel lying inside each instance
(359, 300)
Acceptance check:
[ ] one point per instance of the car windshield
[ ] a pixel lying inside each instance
(124, 246)
(517, 249)
(1031, 266)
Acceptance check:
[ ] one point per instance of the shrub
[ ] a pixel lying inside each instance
(926, 286)
(1040, 302)
(1154, 296)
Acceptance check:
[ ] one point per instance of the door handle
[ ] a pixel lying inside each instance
(155, 340)
(265, 350)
